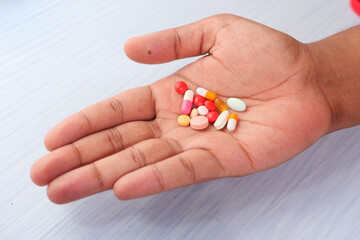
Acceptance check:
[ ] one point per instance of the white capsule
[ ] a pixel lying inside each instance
(221, 120)
(201, 91)
(202, 110)
(231, 125)
(189, 95)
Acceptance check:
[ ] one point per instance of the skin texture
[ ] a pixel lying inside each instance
(131, 143)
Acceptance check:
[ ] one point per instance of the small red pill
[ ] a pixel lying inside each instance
(355, 5)
(212, 116)
(198, 100)
(210, 105)
(181, 87)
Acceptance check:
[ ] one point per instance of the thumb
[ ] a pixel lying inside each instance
(186, 41)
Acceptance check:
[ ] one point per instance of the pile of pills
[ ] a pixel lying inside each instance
(208, 109)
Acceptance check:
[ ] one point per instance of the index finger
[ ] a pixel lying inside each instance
(131, 105)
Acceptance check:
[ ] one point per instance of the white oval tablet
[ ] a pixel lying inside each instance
(221, 120)
(202, 110)
(236, 104)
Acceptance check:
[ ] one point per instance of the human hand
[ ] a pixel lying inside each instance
(131, 143)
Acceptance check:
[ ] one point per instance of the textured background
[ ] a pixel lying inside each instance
(57, 57)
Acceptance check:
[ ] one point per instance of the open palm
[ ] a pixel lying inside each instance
(132, 143)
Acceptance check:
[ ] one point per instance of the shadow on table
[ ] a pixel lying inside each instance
(275, 192)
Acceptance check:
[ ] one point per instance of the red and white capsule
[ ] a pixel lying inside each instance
(187, 102)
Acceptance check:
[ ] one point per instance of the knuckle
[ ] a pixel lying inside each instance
(246, 155)
(117, 107)
(97, 176)
(76, 153)
(222, 169)
(177, 43)
(155, 129)
(173, 145)
(189, 168)
(249, 158)
(115, 139)
(153, 98)
(159, 177)
(86, 119)
(137, 156)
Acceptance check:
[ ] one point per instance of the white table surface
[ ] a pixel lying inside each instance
(57, 57)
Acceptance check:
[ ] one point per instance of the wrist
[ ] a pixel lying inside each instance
(337, 75)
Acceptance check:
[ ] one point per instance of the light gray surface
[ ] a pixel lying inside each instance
(57, 57)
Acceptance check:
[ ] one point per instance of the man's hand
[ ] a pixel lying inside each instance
(131, 143)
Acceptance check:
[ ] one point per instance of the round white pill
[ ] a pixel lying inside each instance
(202, 110)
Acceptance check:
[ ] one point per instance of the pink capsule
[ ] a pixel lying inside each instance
(187, 102)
